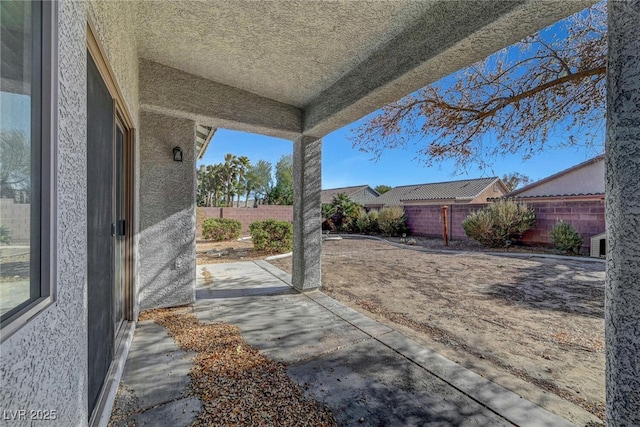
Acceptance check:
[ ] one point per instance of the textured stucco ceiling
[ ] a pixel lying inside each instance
(264, 46)
(312, 66)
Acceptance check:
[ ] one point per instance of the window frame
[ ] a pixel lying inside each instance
(47, 134)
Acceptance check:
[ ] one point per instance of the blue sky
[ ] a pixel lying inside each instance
(344, 166)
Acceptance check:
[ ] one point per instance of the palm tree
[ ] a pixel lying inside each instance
(216, 183)
(230, 171)
(244, 164)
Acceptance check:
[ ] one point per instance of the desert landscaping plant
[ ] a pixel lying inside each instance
(392, 221)
(500, 223)
(5, 236)
(219, 229)
(343, 214)
(272, 236)
(566, 238)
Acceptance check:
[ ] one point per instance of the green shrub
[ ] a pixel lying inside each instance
(326, 211)
(566, 238)
(219, 229)
(392, 221)
(367, 222)
(362, 223)
(505, 220)
(344, 212)
(272, 236)
(5, 235)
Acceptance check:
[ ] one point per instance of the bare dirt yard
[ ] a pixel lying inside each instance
(534, 325)
(227, 251)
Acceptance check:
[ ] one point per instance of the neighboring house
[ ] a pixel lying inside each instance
(574, 195)
(361, 194)
(584, 181)
(465, 191)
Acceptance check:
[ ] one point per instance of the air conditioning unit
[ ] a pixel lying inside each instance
(599, 245)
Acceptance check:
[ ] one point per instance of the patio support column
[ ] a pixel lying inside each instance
(307, 225)
(167, 245)
(622, 289)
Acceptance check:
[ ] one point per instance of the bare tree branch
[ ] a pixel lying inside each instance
(519, 100)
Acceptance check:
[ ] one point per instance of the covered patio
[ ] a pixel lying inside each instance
(296, 70)
(303, 70)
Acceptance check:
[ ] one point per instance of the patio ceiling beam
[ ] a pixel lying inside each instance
(450, 36)
(175, 93)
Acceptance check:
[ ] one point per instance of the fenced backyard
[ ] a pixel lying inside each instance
(586, 216)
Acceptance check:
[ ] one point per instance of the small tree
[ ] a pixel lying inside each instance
(499, 223)
(515, 180)
(523, 96)
(282, 192)
(381, 189)
(566, 238)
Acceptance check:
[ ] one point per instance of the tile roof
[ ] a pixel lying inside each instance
(464, 189)
(460, 190)
(393, 196)
(326, 196)
(547, 196)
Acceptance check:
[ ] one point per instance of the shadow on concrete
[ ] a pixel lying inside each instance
(373, 385)
(202, 294)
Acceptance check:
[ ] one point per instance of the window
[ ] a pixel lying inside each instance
(27, 140)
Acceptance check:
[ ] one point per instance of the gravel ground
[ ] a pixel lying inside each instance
(237, 385)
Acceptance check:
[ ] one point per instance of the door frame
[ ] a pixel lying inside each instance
(122, 337)
(123, 116)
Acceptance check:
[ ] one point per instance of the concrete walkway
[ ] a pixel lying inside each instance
(367, 373)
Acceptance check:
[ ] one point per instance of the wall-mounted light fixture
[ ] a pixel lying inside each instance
(177, 154)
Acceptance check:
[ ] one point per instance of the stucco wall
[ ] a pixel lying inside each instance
(586, 180)
(494, 190)
(16, 217)
(44, 364)
(115, 24)
(167, 212)
(622, 287)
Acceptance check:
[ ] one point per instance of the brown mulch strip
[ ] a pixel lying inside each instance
(439, 335)
(231, 254)
(236, 384)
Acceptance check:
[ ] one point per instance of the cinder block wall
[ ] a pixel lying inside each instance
(587, 217)
(245, 215)
(16, 217)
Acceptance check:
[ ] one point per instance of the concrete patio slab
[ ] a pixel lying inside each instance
(372, 382)
(361, 369)
(156, 377)
(177, 413)
(288, 327)
(367, 373)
